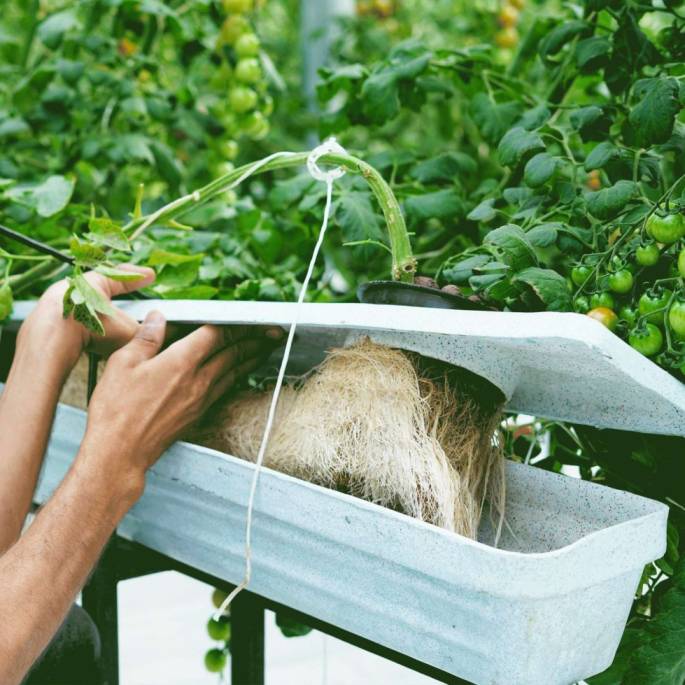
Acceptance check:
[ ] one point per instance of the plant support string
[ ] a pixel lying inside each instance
(328, 177)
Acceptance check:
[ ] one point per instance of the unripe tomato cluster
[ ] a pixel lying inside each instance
(220, 631)
(508, 18)
(243, 104)
(638, 291)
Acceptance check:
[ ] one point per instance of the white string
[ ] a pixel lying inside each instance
(328, 177)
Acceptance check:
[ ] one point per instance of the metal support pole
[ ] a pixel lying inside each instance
(99, 599)
(247, 640)
(99, 595)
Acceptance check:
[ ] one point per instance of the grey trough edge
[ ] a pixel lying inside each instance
(549, 609)
(555, 365)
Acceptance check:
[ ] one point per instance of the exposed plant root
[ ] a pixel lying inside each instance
(390, 427)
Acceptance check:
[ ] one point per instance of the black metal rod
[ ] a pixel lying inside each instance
(35, 244)
(247, 640)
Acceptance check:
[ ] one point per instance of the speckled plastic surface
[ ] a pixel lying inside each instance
(547, 608)
(561, 366)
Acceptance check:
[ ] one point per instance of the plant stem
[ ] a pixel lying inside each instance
(403, 262)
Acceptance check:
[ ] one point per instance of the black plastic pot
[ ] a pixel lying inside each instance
(411, 295)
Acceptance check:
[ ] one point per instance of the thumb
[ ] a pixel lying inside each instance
(149, 338)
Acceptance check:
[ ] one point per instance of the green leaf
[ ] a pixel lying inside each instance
(653, 650)
(556, 39)
(86, 254)
(592, 53)
(440, 204)
(534, 118)
(87, 294)
(13, 126)
(516, 143)
(444, 167)
(654, 117)
(510, 244)
(88, 318)
(601, 155)
(285, 193)
(52, 195)
(543, 235)
(550, 287)
(52, 29)
(159, 257)
(539, 169)
(493, 119)
(193, 292)
(357, 217)
(106, 232)
(380, 92)
(607, 202)
(463, 268)
(117, 274)
(591, 122)
(483, 212)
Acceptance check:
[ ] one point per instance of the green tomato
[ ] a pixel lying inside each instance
(218, 597)
(248, 70)
(651, 306)
(219, 630)
(681, 263)
(646, 339)
(255, 126)
(242, 99)
(6, 301)
(647, 255)
(247, 45)
(628, 314)
(602, 300)
(676, 318)
(579, 274)
(621, 281)
(229, 149)
(215, 660)
(666, 229)
(581, 304)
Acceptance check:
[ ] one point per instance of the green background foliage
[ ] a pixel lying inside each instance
(537, 152)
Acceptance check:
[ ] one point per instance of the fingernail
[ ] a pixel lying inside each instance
(154, 319)
(274, 333)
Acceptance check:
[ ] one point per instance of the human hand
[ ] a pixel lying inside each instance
(147, 398)
(68, 336)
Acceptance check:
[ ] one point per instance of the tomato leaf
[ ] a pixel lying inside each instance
(439, 204)
(510, 244)
(608, 202)
(104, 231)
(539, 169)
(380, 91)
(516, 143)
(654, 117)
(118, 274)
(86, 254)
(548, 285)
(483, 212)
(601, 155)
(52, 195)
(357, 217)
(493, 119)
(653, 650)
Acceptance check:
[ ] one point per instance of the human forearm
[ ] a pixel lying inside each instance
(42, 573)
(42, 361)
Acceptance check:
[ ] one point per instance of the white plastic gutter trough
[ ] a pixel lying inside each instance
(547, 607)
